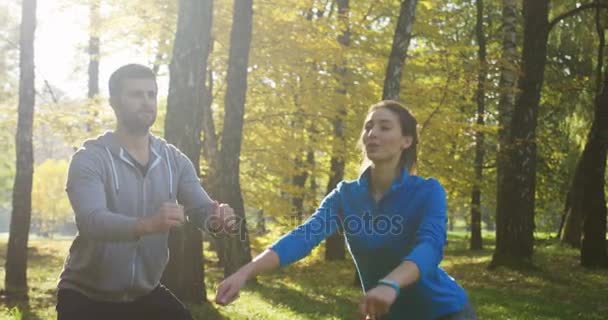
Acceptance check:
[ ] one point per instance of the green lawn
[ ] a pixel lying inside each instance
(314, 289)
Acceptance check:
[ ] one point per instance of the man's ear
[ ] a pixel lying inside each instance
(407, 142)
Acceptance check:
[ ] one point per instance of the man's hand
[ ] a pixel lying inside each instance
(169, 215)
(222, 219)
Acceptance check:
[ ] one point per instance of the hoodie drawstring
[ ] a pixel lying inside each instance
(115, 174)
(116, 186)
(170, 174)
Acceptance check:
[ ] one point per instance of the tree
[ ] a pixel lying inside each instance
(16, 257)
(235, 250)
(334, 245)
(94, 53)
(184, 273)
(591, 198)
(476, 240)
(401, 43)
(515, 203)
(508, 86)
(575, 208)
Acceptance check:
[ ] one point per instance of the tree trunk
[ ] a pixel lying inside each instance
(235, 250)
(184, 274)
(515, 211)
(210, 148)
(302, 170)
(476, 240)
(592, 167)
(299, 181)
(260, 223)
(334, 244)
(15, 281)
(593, 202)
(210, 139)
(508, 89)
(94, 53)
(401, 43)
(572, 229)
(488, 218)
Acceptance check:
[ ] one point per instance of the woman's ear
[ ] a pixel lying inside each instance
(407, 142)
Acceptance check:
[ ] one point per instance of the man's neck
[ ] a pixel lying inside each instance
(136, 144)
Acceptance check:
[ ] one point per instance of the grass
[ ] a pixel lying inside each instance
(314, 289)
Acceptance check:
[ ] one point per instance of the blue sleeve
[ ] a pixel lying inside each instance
(431, 234)
(298, 243)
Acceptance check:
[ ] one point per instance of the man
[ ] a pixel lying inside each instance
(128, 188)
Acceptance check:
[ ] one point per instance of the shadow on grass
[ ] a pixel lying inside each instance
(498, 303)
(19, 308)
(557, 288)
(205, 311)
(44, 257)
(300, 301)
(42, 292)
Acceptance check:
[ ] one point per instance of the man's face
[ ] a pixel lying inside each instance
(136, 105)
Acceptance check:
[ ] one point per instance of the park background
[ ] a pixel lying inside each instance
(269, 97)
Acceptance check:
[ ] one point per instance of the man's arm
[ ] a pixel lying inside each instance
(197, 204)
(86, 191)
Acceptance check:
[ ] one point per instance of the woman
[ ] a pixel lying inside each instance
(394, 226)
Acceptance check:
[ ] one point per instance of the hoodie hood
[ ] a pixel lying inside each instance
(115, 152)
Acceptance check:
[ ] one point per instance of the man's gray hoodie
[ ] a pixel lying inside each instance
(108, 194)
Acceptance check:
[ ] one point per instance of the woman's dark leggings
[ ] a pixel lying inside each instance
(160, 304)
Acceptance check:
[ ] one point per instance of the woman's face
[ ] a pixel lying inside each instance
(382, 138)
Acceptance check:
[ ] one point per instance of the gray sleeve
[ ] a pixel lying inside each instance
(87, 196)
(190, 193)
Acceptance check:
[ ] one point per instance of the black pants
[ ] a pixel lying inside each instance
(160, 304)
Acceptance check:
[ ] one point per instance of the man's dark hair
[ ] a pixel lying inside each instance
(126, 72)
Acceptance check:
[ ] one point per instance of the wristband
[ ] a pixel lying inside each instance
(391, 284)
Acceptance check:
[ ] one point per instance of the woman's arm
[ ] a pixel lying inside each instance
(228, 289)
(378, 300)
(291, 247)
(406, 274)
(298, 243)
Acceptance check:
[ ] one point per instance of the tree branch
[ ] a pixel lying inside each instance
(51, 92)
(426, 122)
(573, 12)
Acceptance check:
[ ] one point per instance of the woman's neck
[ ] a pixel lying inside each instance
(382, 176)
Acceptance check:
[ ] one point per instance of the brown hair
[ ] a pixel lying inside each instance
(125, 72)
(408, 128)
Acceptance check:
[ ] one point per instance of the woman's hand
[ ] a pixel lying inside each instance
(228, 290)
(377, 302)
